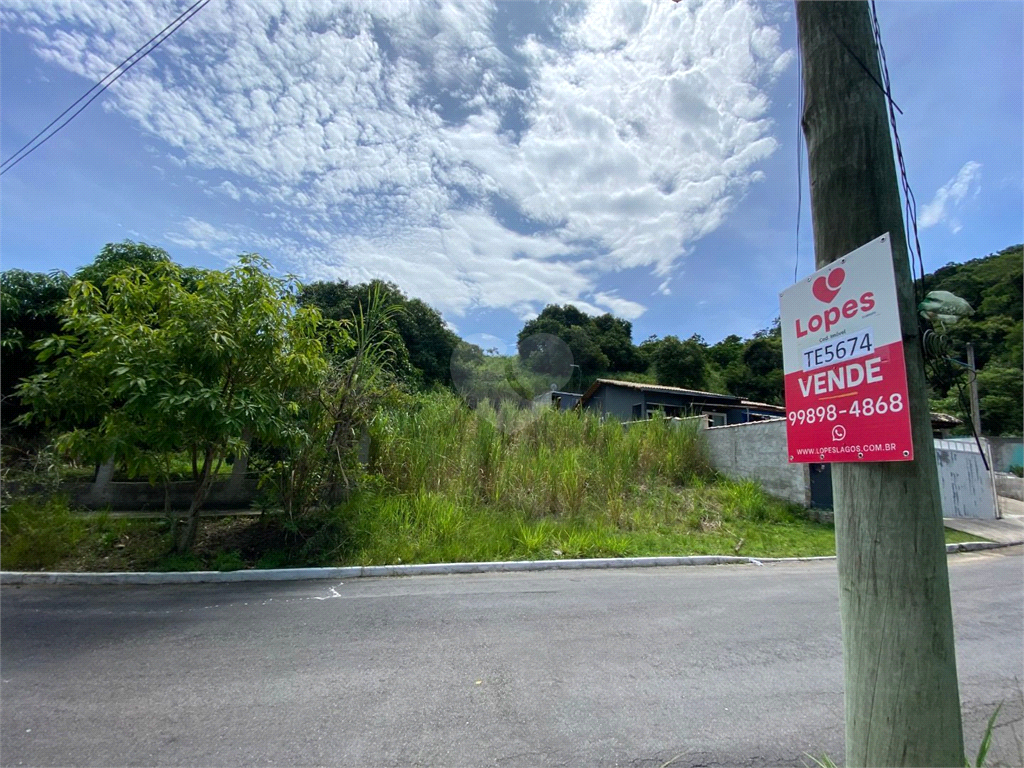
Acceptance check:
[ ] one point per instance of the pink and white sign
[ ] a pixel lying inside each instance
(846, 380)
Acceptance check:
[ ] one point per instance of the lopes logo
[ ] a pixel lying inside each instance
(825, 289)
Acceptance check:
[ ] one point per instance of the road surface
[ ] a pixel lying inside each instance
(725, 665)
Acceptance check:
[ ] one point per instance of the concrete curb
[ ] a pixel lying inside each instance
(426, 569)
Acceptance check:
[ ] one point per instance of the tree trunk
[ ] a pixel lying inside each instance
(188, 538)
(902, 700)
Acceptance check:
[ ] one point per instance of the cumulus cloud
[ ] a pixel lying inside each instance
(478, 154)
(949, 197)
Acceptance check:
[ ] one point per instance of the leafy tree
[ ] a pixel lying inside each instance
(318, 464)
(598, 344)
(680, 363)
(155, 367)
(29, 311)
(615, 338)
(421, 345)
(585, 351)
(116, 257)
(756, 372)
(726, 352)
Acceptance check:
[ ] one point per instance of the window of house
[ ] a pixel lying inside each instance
(716, 419)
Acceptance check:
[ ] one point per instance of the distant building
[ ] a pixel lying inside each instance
(632, 401)
(563, 401)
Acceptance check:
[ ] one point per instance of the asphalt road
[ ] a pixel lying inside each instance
(726, 665)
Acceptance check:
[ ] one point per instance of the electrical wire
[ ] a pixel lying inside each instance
(144, 50)
(799, 148)
(910, 202)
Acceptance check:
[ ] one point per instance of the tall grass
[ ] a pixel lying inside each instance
(551, 464)
(459, 484)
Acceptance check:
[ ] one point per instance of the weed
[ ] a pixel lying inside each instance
(37, 532)
(228, 561)
(275, 558)
(979, 762)
(180, 562)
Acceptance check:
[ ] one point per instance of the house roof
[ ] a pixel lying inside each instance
(938, 419)
(763, 406)
(944, 420)
(654, 388)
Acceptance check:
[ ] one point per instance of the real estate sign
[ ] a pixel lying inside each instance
(846, 381)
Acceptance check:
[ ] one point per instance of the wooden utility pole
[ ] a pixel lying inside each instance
(975, 405)
(902, 700)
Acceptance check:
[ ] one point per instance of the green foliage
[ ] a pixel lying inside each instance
(760, 377)
(180, 562)
(36, 533)
(228, 561)
(117, 257)
(507, 384)
(598, 344)
(420, 343)
(175, 360)
(992, 285)
(318, 465)
(823, 762)
(29, 311)
(680, 363)
(556, 463)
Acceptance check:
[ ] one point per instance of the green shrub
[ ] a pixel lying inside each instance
(228, 561)
(180, 562)
(275, 558)
(37, 532)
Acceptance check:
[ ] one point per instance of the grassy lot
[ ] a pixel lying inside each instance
(447, 484)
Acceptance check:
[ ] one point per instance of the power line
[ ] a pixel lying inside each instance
(799, 149)
(910, 202)
(140, 53)
(98, 84)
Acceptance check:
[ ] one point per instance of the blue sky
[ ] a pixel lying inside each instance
(627, 157)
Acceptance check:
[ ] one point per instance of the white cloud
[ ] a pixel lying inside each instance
(479, 155)
(618, 306)
(947, 201)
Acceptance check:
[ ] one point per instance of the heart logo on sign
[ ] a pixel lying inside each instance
(826, 287)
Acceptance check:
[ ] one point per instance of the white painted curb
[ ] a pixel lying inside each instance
(426, 569)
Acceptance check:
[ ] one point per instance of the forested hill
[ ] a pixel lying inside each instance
(994, 287)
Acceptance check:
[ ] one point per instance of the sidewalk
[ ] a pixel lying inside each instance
(1008, 530)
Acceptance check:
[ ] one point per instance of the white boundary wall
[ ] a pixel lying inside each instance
(757, 451)
(967, 489)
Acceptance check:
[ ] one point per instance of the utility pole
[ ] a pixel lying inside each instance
(975, 406)
(902, 699)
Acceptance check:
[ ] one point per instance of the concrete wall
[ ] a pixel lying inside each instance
(1006, 452)
(1009, 486)
(701, 422)
(967, 489)
(757, 451)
